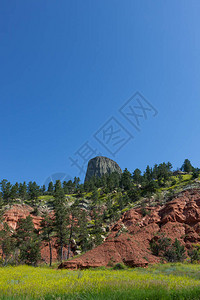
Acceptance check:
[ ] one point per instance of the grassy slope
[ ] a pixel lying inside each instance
(170, 281)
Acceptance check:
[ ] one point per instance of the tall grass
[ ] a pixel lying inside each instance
(170, 281)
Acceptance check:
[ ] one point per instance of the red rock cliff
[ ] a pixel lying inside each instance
(129, 239)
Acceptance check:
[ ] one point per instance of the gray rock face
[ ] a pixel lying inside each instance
(101, 165)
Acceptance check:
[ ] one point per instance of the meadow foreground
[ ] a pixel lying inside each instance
(169, 281)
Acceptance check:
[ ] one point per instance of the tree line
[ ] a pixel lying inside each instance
(149, 179)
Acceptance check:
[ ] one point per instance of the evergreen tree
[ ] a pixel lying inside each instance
(86, 186)
(97, 230)
(14, 192)
(83, 234)
(50, 188)
(73, 215)
(175, 253)
(60, 218)
(169, 166)
(80, 190)
(23, 190)
(164, 173)
(125, 180)
(1, 206)
(43, 189)
(70, 187)
(187, 166)
(195, 173)
(120, 201)
(110, 185)
(148, 175)
(33, 191)
(155, 172)
(6, 189)
(27, 241)
(109, 205)
(95, 197)
(76, 182)
(65, 187)
(137, 177)
(3, 188)
(133, 194)
(47, 230)
(6, 243)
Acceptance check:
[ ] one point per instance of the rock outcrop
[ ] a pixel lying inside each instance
(129, 239)
(21, 211)
(101, 165)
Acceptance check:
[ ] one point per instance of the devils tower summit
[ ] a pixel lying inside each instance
(100, 165)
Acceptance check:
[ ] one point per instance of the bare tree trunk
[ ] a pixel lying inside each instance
(61, 251)
(50, 253)
(69, 244)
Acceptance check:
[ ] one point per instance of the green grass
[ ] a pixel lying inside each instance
(46, 197)
(170, 281)
(186, 179)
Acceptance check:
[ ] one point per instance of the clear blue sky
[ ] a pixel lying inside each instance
(66, 68)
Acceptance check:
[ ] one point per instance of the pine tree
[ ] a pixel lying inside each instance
(47, 231)
(6, 243)
(23, 191)
(126, 179)
(70, 187)
(133, 194)
(76, 182)
(27, 241)
(148, 174)
(137, 177)
(65, 187)
(6, 189)
(33, 191)
(83, 234)
(43, 189)
(187, 166)
(164, 173)
(14, 191)
(155, 172)
(1, 207)
(195, 173)
(3, 188)
(97, 230)
(50, 188)
(95, 196)
(60, 218)
(73, 215)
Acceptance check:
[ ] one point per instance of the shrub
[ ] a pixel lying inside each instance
(161, 244)
(172, 252)
(173, 182)
(175, 253)
(194, 254)
(119, 266)
(145, 212)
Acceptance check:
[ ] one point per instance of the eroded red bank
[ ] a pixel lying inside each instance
(128, 241)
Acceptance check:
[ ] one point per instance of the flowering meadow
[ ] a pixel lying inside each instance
(169, 281)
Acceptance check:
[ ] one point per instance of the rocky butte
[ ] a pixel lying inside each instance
(101, 165)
